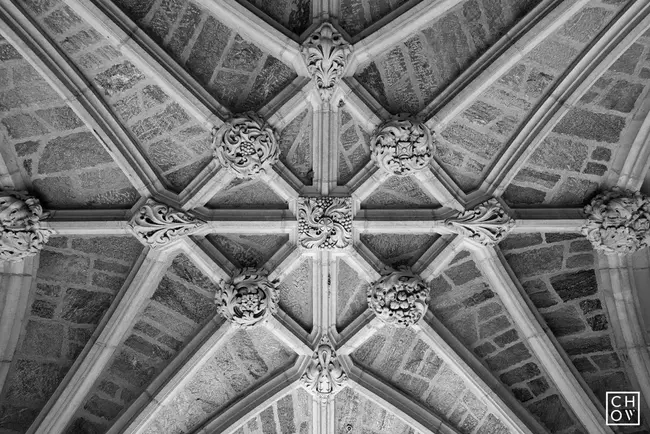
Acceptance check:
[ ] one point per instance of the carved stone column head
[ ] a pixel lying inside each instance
(246, 145)
(618, 221)
(21, 233)
(326, 54)
(248, 298)
(402, 146)
(399, 298)
(487, 224)
(324, 222)
(324, 376)
(157, 224)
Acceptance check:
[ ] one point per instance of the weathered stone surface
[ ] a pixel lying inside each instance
(119, 78)
(578, 346)
(84, 307)
(564, 321)
(517, 241)
(523, 373)
(591, 126)
(575, 192)
(473, 141)
(506, 338)
(463, 273)
(546, 180)
(558, 153)
(539, 293)
(43, 339)
(296, 293)
(517, 195)
(570, 286)
(494, 326)
(628, 61)
(535, 262)
(183, 300)
(598, 322)
(508, 357)
(551, 413)
(590, 305)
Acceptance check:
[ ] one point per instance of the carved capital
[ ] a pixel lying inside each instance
(248, 298)
(246, 145)
(158, 224)
(21, 232)
(486, 224)
(326, 54)
(325, 222)
(399, 298)
(324, 376)
(402, 146)
(618, 221)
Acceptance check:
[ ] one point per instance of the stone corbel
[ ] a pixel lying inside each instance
(324, 377)
(157, 225)
(486, 224)
(21, 232)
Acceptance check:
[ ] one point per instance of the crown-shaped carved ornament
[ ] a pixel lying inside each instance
(324, 377)
(157, 224)
(21, 231)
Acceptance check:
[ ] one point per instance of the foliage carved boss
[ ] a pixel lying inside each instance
(157, 224)
(487, 224)
(246, 145)
(21, 233)
(248, 299)
(399, 298)
(402, 146)
(326, 54)
(324, 222)
(324, 376)
(618, 221)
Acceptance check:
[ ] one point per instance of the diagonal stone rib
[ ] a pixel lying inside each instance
(632, 175)
(479, 379)
(116, 323)
(548, 220)
(325, 133)
(410, 411)
(444, 191)
(438, 256)
(288, 104)
(361, 104)
(257, 31)
(364, 262)
(110, 21)
(289, 333)
(207, 258)
(358, 332)
(633, 21)
(366, 181)
(211, 180)
(284, 261)
(65, 79)
(555, 361)
(172, 379)
(284, 183)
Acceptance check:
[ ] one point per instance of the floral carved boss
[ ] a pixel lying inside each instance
(399, 298)
(157, 224)
(326, 54)
(324, 376)
(618, 221)
(21, 232)
(324, 222)
(246, 146)
(402, 146)
(487, 224)
(248, 299)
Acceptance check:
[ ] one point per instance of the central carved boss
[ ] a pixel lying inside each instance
(21, 233)
(402, 146)
(325, 222)
(399, 298)
(248, 299)
(324, 376)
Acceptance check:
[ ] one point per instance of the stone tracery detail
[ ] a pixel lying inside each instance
(402, 146)
(21, 232)
(487, 224)
(618, 221)
(326, 54)
(158, 224)
(399, 297)
(246, 145)
(324, 376)
(248, 299)
(325, 222)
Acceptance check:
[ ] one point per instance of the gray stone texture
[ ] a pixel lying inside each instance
(295, 146)
(353, 148)
(399, 192)
(248, 250)
(247, 193)
(296, 294)
(355, 413)
(292, 14)
(397, 250)
(351, 295)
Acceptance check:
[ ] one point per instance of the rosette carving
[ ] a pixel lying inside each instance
(402, 146)
(22, 234)
(618, 221)
(326, 54)
(486, 224)
(248, 299)
(399, 298)
(246, 145)
(325, 222)
(324, 376)
(158, 224)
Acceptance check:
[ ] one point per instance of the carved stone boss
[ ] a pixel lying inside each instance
(324, 376)
(246, 145)
(22, 234)
(324, 222)
(618, 221)
(157, 224)
(487, 224)
(402, 146)
(399, 297)
(326, 54)
(248, 299)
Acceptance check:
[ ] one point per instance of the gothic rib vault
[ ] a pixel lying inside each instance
(361, 216)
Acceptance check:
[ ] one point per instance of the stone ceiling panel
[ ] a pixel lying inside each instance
(398, 356)
(296, 294)
(397, 250)
(65, 164)
(356, 413)
(291, 414)
(76, 282)
(358, 15)
(294, 15)
(411, 74)
(354, 147)
(247, 359)
(247, 193)
(351, 295)
(572, 162)
(399, 192)
(296, 147)
(246, 250)
(472, 142)
(462, 299)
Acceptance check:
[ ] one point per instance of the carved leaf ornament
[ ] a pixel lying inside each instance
(158, 224)
(399, 298)
(324, 376)
(246, 146)
(618, 221)
(248, 299)
(22, 234)
(324, 222)
(486, 224)
(402, 146)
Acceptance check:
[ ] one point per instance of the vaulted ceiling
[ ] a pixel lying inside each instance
(538, 103)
